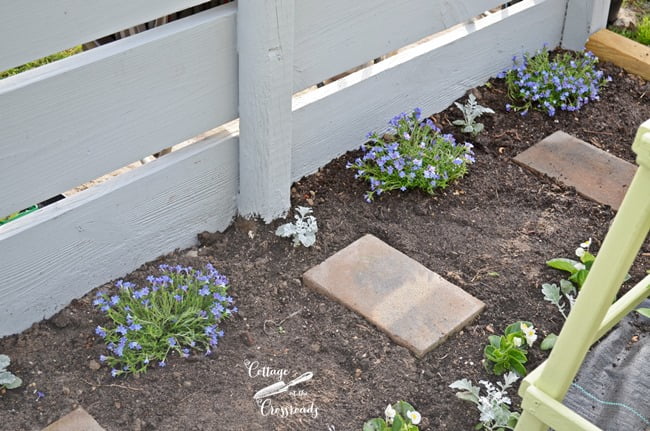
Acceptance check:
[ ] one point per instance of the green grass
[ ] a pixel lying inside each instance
(643, 31)
(641, 34)
(40, 62)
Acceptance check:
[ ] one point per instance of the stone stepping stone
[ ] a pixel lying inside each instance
(76, 420)
(594, 173)
(413, 305)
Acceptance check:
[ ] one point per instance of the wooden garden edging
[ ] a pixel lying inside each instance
(593, 313)
(623, 52)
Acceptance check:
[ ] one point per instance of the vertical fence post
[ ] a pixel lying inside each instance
(265, 45)
(583, 18)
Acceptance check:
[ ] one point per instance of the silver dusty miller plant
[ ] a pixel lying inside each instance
(555, 295)
(7, 379)
(303, 230)
(494, 406)
(471, 111)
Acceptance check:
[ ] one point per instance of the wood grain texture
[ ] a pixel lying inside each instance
(31, 29)
(623, 52)
(347, 109)
(265, 39)
(583, 17)
(337, 35)
(77, 119)
(64, 250)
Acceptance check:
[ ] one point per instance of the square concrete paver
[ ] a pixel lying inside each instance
(594, 173)
(416, 307)
(76, 420)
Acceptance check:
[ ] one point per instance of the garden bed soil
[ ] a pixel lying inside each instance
(499, 219)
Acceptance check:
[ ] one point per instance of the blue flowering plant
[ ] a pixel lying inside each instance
(178, 311)
(412, 154)
(565, 82)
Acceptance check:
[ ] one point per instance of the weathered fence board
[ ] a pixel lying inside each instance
(346, 110)
(74, 120)
(31, 29)
(265, 66)
(66, 249)
(583, 17)
(335, 36)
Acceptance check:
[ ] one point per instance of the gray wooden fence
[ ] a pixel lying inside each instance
(69, 122)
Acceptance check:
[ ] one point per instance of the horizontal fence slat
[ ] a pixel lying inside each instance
(367, 99)
(77, 119)
(66, 249)
(32, 29)
(335, 36)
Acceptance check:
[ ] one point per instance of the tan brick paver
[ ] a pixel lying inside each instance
(76, 420)
(415, 306)
(593, 172)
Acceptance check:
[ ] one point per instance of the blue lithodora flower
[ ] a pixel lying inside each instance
(413, 154)
(566, 83)
(179, 311)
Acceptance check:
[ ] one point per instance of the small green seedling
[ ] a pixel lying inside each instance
(400, 416)
(507, 352)
(7, 379)
(471, 111)
(303, 230)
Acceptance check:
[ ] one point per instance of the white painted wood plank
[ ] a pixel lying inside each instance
(77, 119)
(599, 16)
(337, 35)
(265, 38)
(583, 18)
(64, 250)
(32, 29)
(335, 118)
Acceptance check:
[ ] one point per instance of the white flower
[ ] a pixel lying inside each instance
(586, 244)
(579, 266)
(529, 332)
(580, 251)
(390, 413)
(414, 417)
(517, 341)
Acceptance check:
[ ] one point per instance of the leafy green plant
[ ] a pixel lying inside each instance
(178, 311)
(507, 352)
(494, 406)
(578, 270)
(303, 230)
(644, 312)
(413, 154)
(471, 111)
(7, 379)
(557, 295)
(566, 82)
(400, 416)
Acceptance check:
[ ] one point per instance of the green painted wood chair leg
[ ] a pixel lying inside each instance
(593, 312)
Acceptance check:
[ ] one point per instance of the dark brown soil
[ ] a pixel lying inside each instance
(500, 219)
